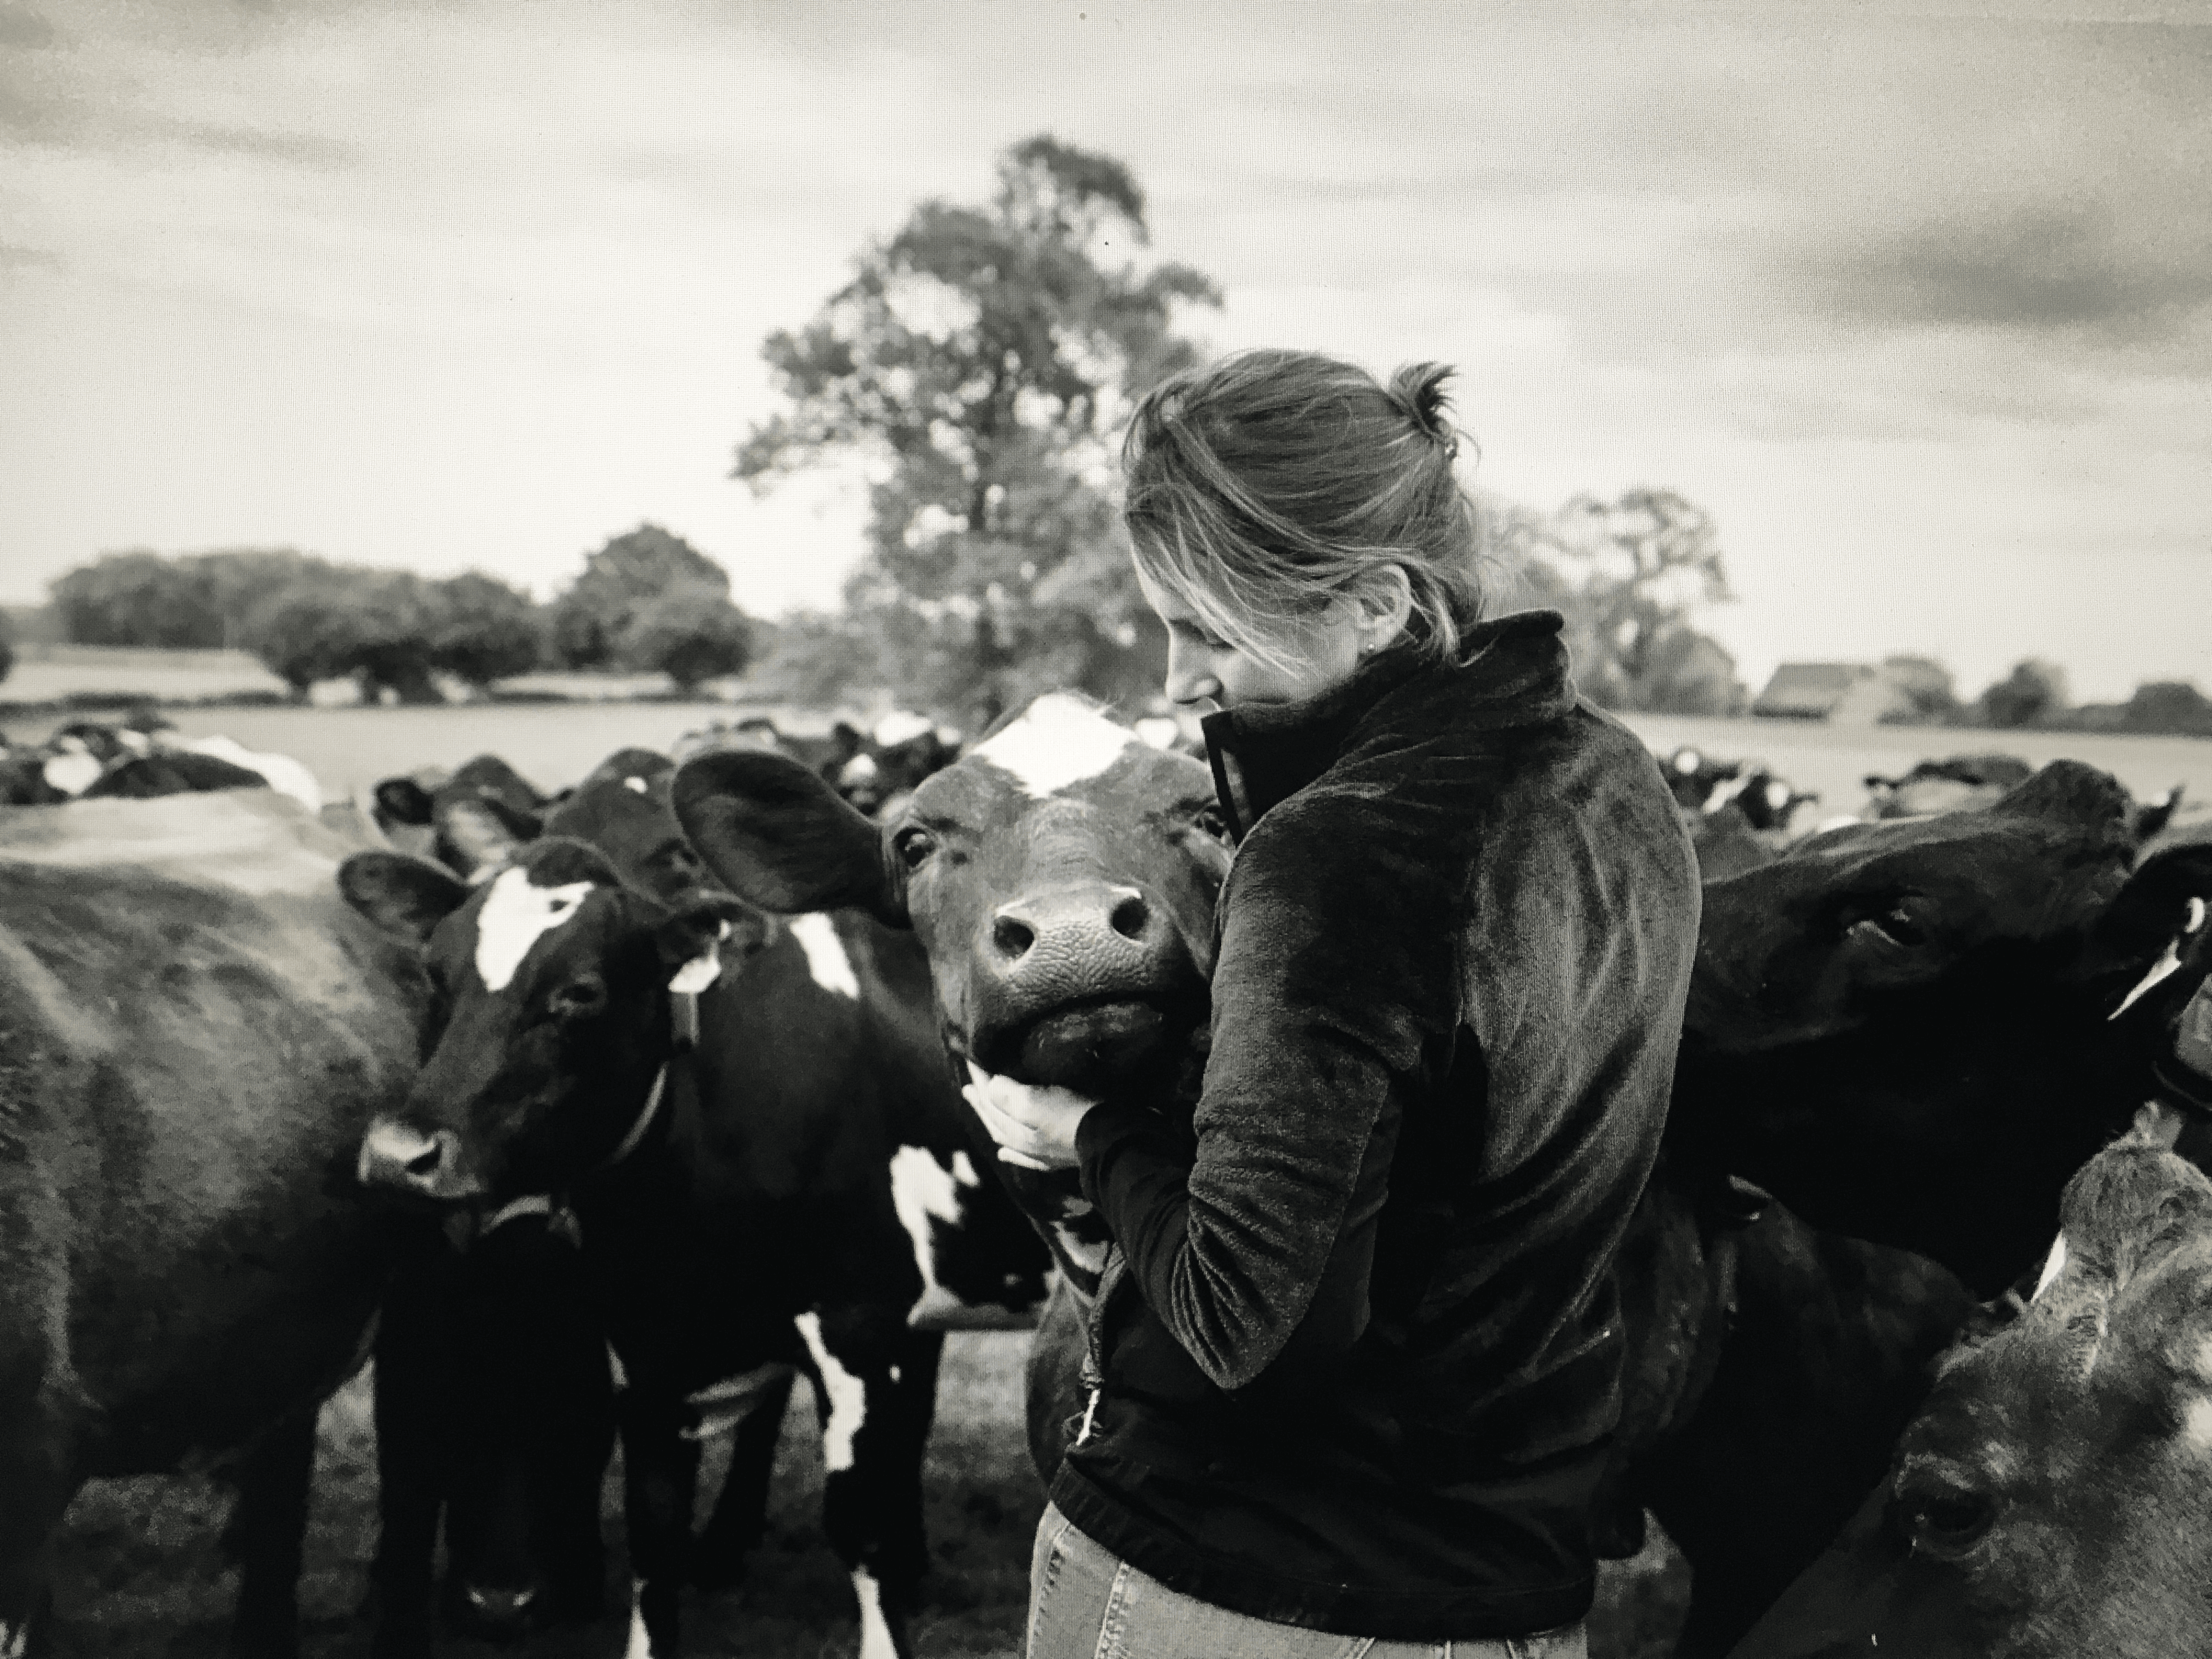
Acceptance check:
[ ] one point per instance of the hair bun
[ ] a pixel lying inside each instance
(1418, 389)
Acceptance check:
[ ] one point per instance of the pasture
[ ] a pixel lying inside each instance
(141, 1571)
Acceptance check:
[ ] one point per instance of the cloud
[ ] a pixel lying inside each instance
(291, 149)
(2036, 267)
(22, 28)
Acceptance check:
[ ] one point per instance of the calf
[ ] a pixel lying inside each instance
(799, 1189)
(194, 1035)
(2052, 1496)
(1062, 876)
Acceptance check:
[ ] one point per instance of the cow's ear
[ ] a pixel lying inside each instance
(780, 835)
(406, 897)
(2152, 911)
(403, 800)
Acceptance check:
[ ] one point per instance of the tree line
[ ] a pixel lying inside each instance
(978, 369)
(645, 602)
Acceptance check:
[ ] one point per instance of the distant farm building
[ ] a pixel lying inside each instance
(1840, 693)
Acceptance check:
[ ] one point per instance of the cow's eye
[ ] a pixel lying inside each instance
(913, 845)
(1896, 925)
(1211, 820)
(1944, 1521)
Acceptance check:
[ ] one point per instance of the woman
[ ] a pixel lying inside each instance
(1359, 1356)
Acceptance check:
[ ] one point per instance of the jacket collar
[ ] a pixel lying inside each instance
(1510, 673)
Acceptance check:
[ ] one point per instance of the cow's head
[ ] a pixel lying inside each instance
(550, 1017)
(1061, 876)
(2053, 1495)
(1904, 1029)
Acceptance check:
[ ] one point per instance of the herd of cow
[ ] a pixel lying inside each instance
(608, 1115)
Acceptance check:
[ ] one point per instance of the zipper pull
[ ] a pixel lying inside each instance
(1089, 1412)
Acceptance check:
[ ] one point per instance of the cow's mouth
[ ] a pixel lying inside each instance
(1092, 1045)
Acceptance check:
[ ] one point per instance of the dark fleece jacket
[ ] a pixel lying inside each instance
(1371, 1359)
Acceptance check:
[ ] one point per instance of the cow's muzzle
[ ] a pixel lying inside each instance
(398, 1155)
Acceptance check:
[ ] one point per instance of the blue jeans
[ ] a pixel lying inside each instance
(1085, 1602)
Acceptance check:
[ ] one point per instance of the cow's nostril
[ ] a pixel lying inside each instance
(426, 1162)
(1012, 937)
(1129, 917)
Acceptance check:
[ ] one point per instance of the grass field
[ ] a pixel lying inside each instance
(139, 1574)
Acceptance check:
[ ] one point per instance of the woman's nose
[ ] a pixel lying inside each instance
(1191, 677)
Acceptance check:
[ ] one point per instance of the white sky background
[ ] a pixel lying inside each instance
(1919, 307)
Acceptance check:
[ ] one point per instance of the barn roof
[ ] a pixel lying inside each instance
(1810, 690)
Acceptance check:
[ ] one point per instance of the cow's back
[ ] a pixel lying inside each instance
(194, 1031)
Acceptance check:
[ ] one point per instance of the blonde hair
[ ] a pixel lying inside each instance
(1264, 489)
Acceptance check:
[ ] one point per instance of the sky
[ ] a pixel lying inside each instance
(1915, 301)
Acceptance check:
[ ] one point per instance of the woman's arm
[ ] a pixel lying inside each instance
(1328, 987)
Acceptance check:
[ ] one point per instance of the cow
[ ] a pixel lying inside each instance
(1062, 876)
(1966, 783)
(1913, 1032)
(1962, 783)
(466, 819)
(1703, 786)
(800, 1188)
(194, 1036)
(2051, 1497)
(494, 1413)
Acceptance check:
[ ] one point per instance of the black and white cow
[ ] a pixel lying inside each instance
(799, 1188)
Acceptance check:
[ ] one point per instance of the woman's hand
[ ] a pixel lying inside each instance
(1033, 1124)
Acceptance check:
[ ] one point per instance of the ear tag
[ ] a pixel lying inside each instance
(696, 974)
(2168, 963)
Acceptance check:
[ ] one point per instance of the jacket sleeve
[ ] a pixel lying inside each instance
(1333, 975)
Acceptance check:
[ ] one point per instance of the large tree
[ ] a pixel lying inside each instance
(623, 578)
(981, 363)
(1630, 574)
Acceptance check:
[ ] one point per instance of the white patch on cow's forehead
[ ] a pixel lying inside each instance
(515, 916)
(847, 1396)
(827, 965)
(1059, 741)
(2053, 1265)
(900, 726)
(15, 1640)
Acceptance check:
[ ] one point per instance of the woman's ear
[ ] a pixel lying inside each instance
(1385, 605)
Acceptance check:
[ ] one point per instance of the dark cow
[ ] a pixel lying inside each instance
(1966, 783)
(194, 1035)
(1962, 783)
(800, 1189)
(1906, 1031)
(2053, 1495)
(1062, 876)
(494, 1413)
